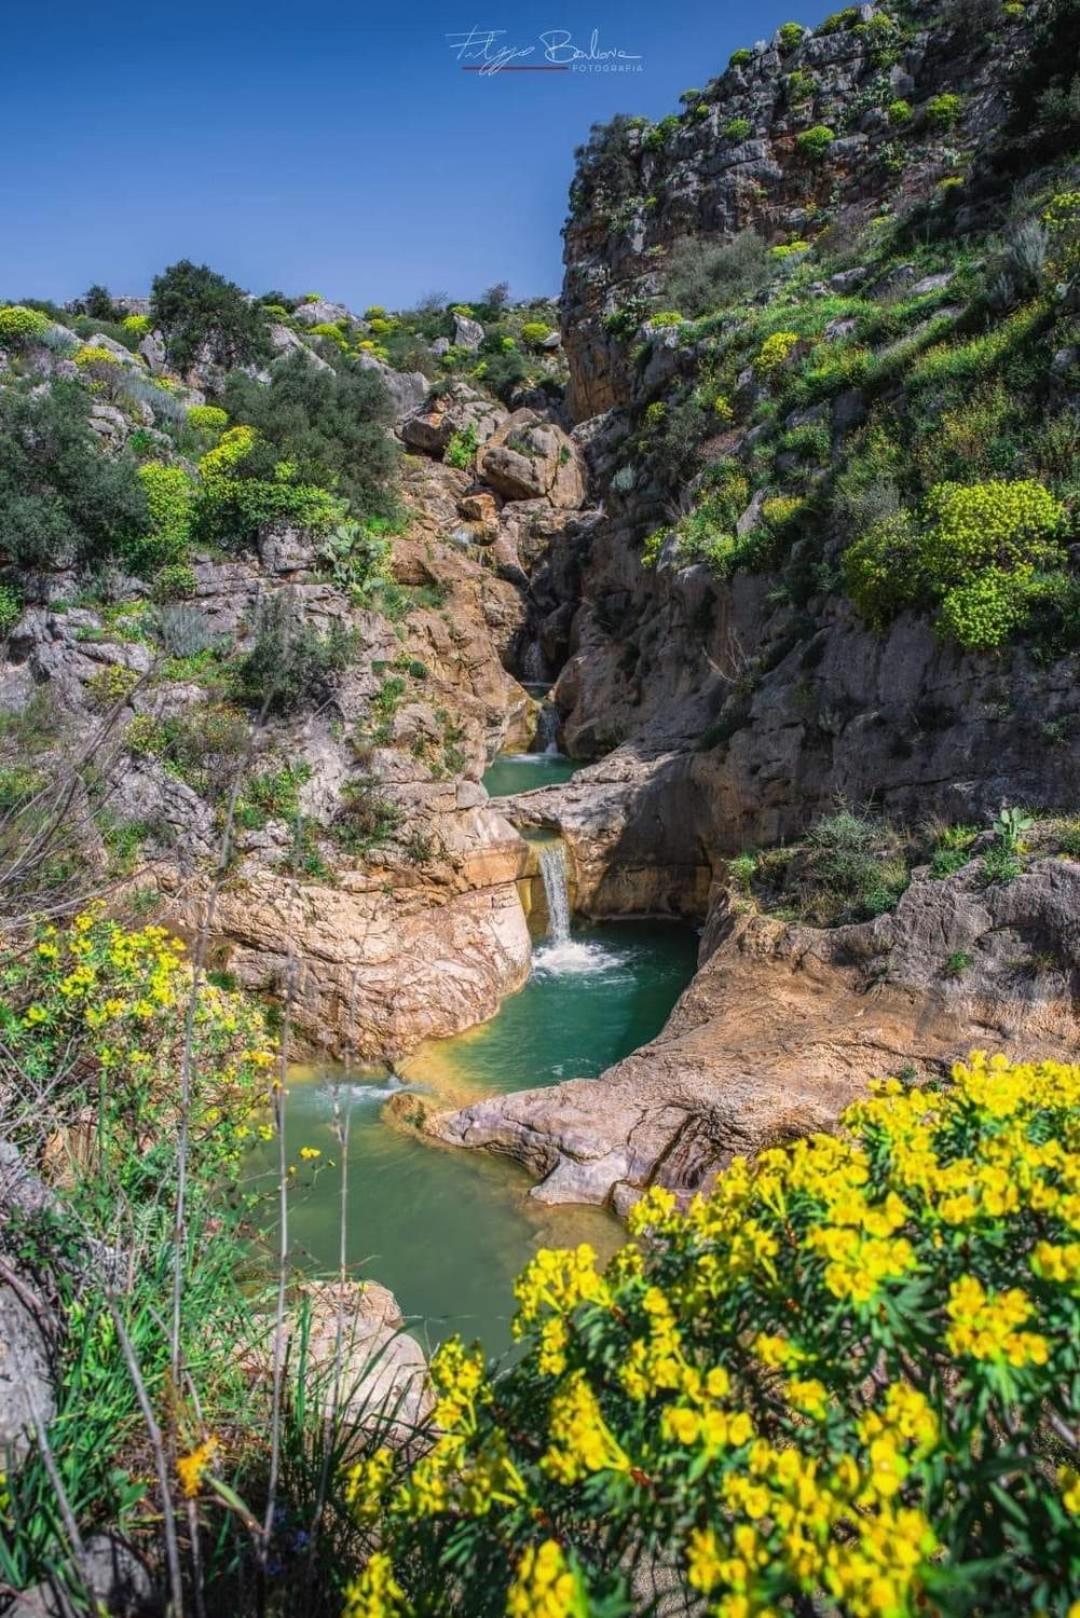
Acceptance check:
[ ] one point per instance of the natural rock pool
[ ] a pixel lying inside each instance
(448, 1230)
(520, 772)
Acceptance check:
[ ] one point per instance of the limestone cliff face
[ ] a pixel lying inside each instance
(732, 160)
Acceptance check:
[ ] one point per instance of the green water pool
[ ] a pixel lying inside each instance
(448, 1230)
(521, 772)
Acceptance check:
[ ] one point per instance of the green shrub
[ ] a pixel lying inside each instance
(290, 663)
(461, 450)
(200, 312)
(740, 58)
(19, 325)
(899, 111)
(943, 111)
(815, 142)
(799, 86)
(136, 325)
(840, 20)
(666, 317)
(535, 332)
(736, 129)
(330, 427)
(63, 500)
(702, 276)
(986, 611)
(169, 500)
(881, 569)
(967, 528)
(366, 819)
(174, 582)
(10, 609)
(207, 418)
(791, 34)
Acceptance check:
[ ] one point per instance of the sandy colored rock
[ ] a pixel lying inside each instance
(529, 458)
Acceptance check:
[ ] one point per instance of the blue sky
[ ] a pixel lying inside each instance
(333, 148)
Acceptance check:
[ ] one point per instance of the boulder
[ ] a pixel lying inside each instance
(467, 333)
(407, 389)
(321, 313)
(529, 458)
(152, 349)
(455, 410)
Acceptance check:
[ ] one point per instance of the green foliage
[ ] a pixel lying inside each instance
(880, 568)
(174, 582)
(535, 332)
(839, 21)
(983, 613)
(814, 143)
(199, 311)
(971, 527)
(741, 58)
(899, 112)
(366, 819)
(10, 609)
(461, 450)
(63, 501)
(272, 794)
(290, 663)
(136, 325)
(1046, 90)
(20, 326)
(702, 276)
(775, 352)
(943, 111)
(736, 129)
(330, 427)
(791, 34)
(169, 499)
(799, 86)
(207, 418)
(358, 557)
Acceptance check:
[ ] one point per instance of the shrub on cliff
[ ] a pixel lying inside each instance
(330, 426)
(814, 143)
(290, 662)
(704, 276)
(837, 1382)
(63, 500)
(19, 325)
(200, 312)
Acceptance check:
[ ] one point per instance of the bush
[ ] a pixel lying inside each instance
(136, 325)
(815, 142)
(967, 528)
(943, 111)
(290, 663)
(174, 582)
(983, 613)
(365, 819)
(330, 427)
(736, 129)
(880, 568)
(170, 501)
(183, 631)
(20, 326)
(207, 418)
(791, 34)
(775, 352)
(899, 111)
(827, 1384)
(461, 450)
(702, 276)
(10, 609)
(535, 332)
(64, 501)
(200, 313)
(741, 58)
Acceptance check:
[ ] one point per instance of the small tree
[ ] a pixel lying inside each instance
(198, 310)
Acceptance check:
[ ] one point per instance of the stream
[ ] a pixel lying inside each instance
(448, 1230)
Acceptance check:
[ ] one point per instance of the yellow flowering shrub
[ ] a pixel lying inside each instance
(775, 352)
(846, 1381)
(108, 1005)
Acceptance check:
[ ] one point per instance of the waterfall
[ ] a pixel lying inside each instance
(553, 872)
(534, 663)
(547, 729)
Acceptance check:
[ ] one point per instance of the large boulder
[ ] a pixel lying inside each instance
(529, 458)
(407, 389)
(320, 312)
(467, 333)
(455, 410)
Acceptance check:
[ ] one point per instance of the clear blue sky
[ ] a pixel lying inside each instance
(330, 147)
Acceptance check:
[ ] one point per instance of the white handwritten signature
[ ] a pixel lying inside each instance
(488, 48)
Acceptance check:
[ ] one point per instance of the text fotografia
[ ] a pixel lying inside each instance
(488, 51)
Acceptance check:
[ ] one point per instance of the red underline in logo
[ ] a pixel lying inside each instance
(550, 67)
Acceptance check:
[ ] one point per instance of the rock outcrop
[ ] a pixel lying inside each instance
(784, 1025)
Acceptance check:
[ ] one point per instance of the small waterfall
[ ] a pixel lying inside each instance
(547, 730)
(553, 872)
(534, 663)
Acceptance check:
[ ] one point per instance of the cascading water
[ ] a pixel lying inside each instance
(556, 892)
(547, 730)
(533, 662)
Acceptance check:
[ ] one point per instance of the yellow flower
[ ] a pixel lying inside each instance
(309, 1153)
(545, 1586)
(192, 1468)
(375, 1593)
